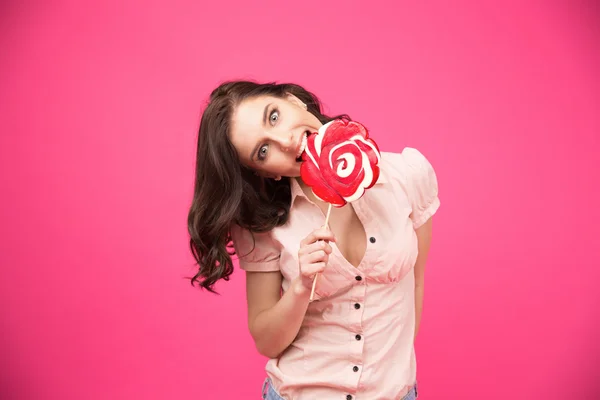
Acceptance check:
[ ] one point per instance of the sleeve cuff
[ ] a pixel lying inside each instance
(427, 213)
(261, 266)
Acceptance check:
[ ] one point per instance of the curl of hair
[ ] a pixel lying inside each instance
(225, 191)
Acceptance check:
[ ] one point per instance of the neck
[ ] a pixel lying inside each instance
(305, 188)
(308, 191)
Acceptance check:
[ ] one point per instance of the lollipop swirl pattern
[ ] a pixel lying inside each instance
(340, 162)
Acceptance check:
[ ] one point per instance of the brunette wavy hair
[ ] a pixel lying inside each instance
(225, 191)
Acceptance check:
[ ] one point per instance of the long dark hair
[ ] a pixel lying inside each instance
(225, 191)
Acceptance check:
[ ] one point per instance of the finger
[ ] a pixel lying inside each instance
(319, 234)
(318, 256)
(324, 234)
(313, 258)
(316, 246)
(312, 269)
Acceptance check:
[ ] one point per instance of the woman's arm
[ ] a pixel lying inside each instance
(424, 237)
(274, 320)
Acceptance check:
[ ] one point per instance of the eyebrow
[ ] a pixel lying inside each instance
(265, 116)
(265, 113)
(254, 150)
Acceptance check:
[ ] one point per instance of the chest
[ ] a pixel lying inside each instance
(374, 234)
(350, 233)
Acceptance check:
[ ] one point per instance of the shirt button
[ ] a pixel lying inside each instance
(358, 337)
(348, 397)
(358, 278)
(372, 239)
(356, 305)
(355, 369)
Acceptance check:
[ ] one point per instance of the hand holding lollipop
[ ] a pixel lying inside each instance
(339, 163)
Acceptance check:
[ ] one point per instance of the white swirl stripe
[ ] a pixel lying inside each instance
(320, 136)
(347, 156)
(347, 160)
(368, 177)
(360, 190)
(349, 165)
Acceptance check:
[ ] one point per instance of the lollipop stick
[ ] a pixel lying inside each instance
(314, 285)
(327, 217)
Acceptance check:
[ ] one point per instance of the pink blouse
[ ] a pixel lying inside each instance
(356, 340)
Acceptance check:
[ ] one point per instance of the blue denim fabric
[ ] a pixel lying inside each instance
(412, 394)
(269, 393)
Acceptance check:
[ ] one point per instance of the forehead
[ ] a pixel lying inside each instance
(247, 124)
(249, 113)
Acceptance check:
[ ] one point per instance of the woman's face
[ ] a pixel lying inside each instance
(269, 134)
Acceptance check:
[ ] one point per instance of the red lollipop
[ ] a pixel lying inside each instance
(340, 163)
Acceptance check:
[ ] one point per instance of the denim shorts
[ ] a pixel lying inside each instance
(269, 392)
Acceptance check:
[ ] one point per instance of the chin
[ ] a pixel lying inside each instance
(294, 174)
(297, 172)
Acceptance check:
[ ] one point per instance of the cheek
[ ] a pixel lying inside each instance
(281, 162)
(313, 122)
(299, 118)
(283, 158)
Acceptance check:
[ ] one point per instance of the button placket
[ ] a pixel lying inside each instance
(355, 328)
(356, 297)
(365, 220)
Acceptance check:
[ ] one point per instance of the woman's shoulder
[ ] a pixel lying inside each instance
(256, 251)
(417, 178)
(407, 164)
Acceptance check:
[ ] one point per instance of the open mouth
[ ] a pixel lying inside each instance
(302, 147)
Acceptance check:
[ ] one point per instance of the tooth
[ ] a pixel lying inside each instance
(302, 145)
(301, 149)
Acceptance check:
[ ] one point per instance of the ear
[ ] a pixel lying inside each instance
(296, 101)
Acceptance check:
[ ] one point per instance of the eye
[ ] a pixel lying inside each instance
(274, 116)
(262, 152)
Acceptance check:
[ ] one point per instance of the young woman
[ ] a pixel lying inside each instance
(355, 339)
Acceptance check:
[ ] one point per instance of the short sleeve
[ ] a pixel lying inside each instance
(255, 251)
(422, 186)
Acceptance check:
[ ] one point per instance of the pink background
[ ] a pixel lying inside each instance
(99, 108)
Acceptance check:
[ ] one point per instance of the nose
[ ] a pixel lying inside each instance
(285, 141)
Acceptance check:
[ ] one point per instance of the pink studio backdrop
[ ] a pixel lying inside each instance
(99, 106)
